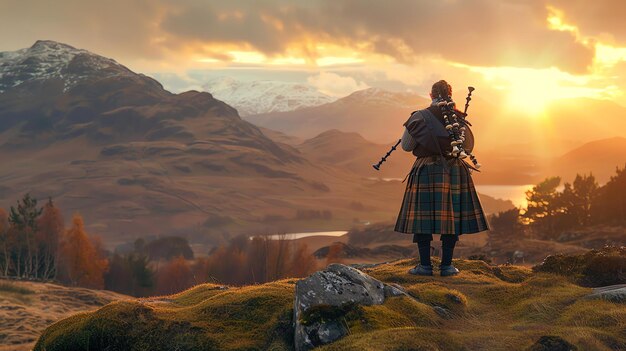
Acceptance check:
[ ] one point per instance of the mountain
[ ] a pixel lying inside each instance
(136, 160)
(599, 157)
(255, 97)
(374, 113)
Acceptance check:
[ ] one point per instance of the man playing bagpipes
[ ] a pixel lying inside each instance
(440, 197)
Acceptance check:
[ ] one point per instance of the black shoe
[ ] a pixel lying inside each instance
(421, 270)
(448, 270)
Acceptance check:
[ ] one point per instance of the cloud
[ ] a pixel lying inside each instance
(477, 32)
(335, 85)
(474, 32)
(598, 18)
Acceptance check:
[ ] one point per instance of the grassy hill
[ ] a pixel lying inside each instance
(484, 307)
(27, 308)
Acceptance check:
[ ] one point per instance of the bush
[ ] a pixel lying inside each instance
(593, 268)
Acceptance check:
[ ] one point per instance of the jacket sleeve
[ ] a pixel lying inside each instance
(408, 142)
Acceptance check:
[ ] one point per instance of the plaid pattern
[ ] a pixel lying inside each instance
(440, 202)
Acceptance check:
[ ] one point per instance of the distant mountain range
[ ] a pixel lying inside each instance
(255, 97)
(374, 113)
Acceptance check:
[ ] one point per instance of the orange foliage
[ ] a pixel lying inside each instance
(50, 229)
(334, 253)
(255, 260)
(174, 277)
(80, 262)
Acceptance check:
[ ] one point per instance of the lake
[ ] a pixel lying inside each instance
(515, 193)
(292, 236)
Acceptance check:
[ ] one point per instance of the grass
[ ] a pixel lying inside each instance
(6, 287)
(14, 292)
(488, 308)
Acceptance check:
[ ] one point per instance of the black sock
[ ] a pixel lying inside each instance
(447, 249)
(423, 247)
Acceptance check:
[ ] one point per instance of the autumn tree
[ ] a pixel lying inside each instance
(50, 230)
(335, 253)
(174, 276)
(80, 262)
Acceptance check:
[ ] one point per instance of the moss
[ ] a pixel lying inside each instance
(398, 339)
(395, 312)
(493, 307)
(437, 294)
(238, 318)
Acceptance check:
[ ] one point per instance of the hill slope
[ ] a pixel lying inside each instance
(599, 157)
(27, 308)
(487, 307)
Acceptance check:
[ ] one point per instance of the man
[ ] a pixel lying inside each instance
(440, 197)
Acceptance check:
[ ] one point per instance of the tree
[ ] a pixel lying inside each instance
(610, 204)
(50, 230)
(130, 275)
(541, 211)
(335, 253)
(506, 225)
(174, 277)
(24, 220)
(5, 252)
(81, 263)
(575, 201)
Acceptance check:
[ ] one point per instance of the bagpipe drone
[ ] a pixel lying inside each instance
(455, 125)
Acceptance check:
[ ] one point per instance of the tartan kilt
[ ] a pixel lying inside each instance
(440, 202)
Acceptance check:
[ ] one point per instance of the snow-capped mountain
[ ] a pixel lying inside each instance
(374, 113)
(49, 60)
(255, 97)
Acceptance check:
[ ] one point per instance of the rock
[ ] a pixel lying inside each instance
(443, 312)
(323, 298)
(552, 343)
(614, 293)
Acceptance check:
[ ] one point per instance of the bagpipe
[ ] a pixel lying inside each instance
(455, 125)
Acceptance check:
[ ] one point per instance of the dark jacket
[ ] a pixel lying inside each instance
(418, 129)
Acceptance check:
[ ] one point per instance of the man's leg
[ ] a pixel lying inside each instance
(447, 250)
(423, 246)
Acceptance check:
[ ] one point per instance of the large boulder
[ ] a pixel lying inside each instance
(326, 295)
(615, 293)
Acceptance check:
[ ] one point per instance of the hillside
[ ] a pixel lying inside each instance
(27, 308)
(599, 157)
(501, 307)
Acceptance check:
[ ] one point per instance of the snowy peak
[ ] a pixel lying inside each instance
(256, 97)
(47, 59)
(379, 96)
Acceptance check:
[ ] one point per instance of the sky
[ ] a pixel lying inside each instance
(526, 53)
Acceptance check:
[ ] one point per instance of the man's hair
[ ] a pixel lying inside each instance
(441, 88)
